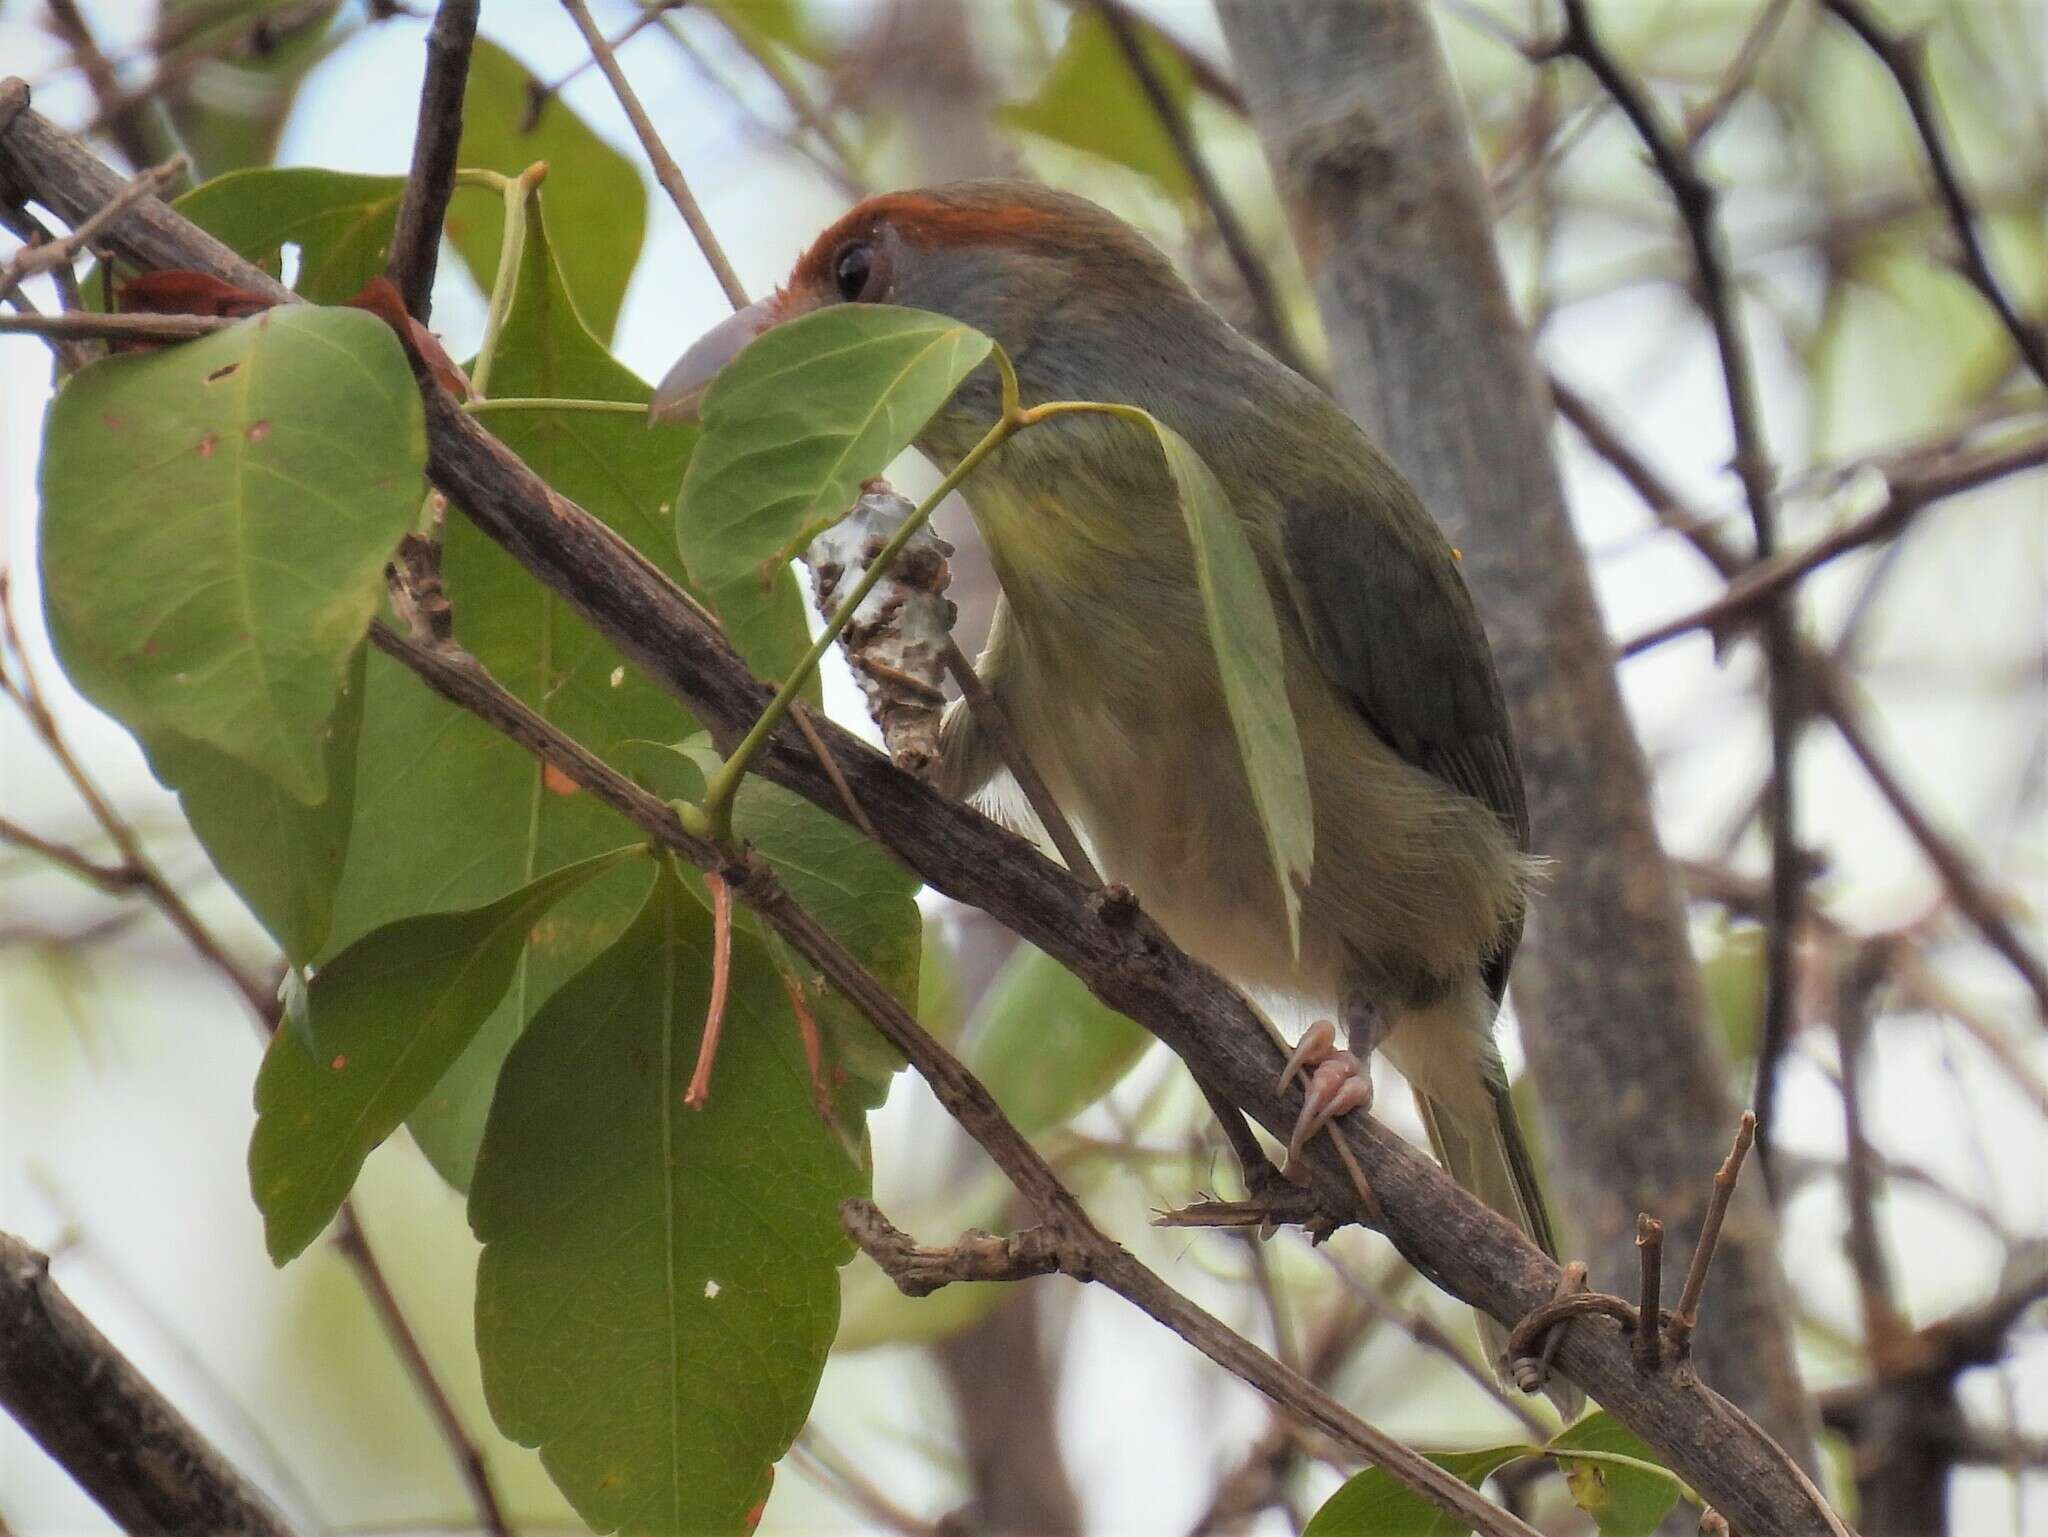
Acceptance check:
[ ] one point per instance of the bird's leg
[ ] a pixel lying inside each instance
(1338, 1082)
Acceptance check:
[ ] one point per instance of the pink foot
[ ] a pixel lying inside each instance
(1338, 1083)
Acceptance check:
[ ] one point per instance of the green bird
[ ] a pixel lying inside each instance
(1102, 658)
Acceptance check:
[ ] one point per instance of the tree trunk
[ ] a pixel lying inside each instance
(1370, 150)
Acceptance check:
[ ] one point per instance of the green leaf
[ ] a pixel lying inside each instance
(1622, 1487)
(216, 517)
(1248, 657)
(232, 110)
(1091, 101)
(387, 1016)
(657, 1290)
(1373, 1504)
(282, 857)
(1047, 1047)
(596, 195)
(449, 813)
(340, 223)
(792, 426)
(854, 888)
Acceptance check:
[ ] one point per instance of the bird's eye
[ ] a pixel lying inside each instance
(851, 270)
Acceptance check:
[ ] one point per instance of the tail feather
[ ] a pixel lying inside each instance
(1494, 1164)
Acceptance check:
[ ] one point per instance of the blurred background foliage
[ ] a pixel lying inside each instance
(125, 1069)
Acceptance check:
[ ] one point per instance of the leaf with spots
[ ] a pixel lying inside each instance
(386, 1017)
(216, 518)
(657, 1290)
(440, 792)
(1617, 1479)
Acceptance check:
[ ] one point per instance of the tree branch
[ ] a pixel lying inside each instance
(1906, 58)
(143, 1462)
(1123, 957)
(416, 239)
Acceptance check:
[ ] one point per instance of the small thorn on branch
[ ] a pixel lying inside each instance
(1685, 1317)
(918, 1270)
(1649, 1340)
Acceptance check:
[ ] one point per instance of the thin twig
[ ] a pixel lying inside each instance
(416, 239)
(1761, 583)
(993, 719)
(1856, 990)
(1697, 203)
(1905, 56)
(1702, 119)
(1649, 1337)
(665, 170)
(86, 325)
(1258, 282)
(538, 95)
(1686, 1316)
(32, 260)
(801, 714)
(1204, 75)
(354, 1245)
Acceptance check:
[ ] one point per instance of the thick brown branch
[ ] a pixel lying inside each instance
(143, 1462)
(1124, 958)
(416, 240)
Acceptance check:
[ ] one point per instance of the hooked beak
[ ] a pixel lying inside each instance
(682, 391)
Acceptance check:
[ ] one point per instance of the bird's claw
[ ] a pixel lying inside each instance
(1338, 1083)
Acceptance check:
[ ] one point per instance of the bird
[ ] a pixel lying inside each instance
(1100, 655)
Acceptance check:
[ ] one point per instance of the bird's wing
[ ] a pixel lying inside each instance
(1377, 592)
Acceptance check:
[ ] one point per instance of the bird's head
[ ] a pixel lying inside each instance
(1083, 304)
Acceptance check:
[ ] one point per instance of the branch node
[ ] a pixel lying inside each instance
(919, 1270)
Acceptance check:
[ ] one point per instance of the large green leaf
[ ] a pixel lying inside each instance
(1623, 1487)
(282, 857)
(341, 224)
(1091, 101)
(792, 426)
(449, 813)
(657, 1290)
(1047, 1047)
(1247, 640)
(387, 1017)
(1374, 1504)
(595, 194)
(216, 517)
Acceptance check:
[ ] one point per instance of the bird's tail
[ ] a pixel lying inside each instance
(1470, 1117)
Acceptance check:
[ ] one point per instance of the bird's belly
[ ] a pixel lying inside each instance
(1406, 873)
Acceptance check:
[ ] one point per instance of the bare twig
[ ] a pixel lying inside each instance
(1205, 76)
(1701, 120)
(1686, 1316)
(35, 259)
(1855, 992)
(1697, 203)
(135, 137)
(1905, 56)
(86, 325)
(354, 1245)
(1258, 282)
(100, 1420)
(1761, 583)
(416, 239)
(665, 170)
(538, 95)
(1649, 1340)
